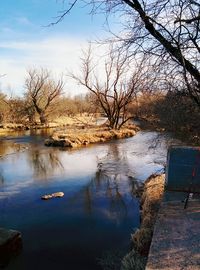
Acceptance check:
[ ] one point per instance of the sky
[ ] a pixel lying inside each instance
(26, 40)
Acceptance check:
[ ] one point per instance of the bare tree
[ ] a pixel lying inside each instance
(4, 107)
(167, 29)
(42, 90)
(114, 88)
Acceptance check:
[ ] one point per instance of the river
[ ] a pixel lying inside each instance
(99, 211)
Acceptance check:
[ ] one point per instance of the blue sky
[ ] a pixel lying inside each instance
(26, 42)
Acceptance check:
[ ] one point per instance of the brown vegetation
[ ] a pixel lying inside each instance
(171, 43)
(18, 113)
(171, 112)
(80, 137)
(42, 90)
(116, 89)
(141, 239)
(150, 202)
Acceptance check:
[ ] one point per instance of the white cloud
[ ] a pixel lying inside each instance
(60, 55)
(56, 54)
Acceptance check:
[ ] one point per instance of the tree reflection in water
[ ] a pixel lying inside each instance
(111, 189)
(44, 164)
(10, 148)
(118, 207)
(2, 180)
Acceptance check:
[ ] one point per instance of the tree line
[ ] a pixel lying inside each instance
(165, 32)
(125, 89)
(154, 60)
(43, 101)
(111, 88)
(166, 35)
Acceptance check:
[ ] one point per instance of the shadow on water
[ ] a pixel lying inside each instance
(98, 212)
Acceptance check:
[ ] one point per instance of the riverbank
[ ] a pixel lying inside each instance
(190, 134)
(75, 121)
(8, 127)
(141, 239)
(77, 137)
(105, 173)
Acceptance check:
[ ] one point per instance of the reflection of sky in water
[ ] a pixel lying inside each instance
(136, 157)
(35, 166)
(98, 211)
(139, 156)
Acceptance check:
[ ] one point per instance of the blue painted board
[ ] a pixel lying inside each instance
(183, 169)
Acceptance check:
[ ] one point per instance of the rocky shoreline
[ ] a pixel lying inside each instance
(74, 138)
(141, 240)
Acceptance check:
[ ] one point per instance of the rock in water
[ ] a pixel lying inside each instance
(53, 195)
(57, 194)
(10, 245)
(46, 197)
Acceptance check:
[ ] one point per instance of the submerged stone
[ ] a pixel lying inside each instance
(10, 245)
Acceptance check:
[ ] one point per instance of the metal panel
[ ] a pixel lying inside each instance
(183, 169)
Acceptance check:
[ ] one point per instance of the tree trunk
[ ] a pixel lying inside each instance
(43, 119)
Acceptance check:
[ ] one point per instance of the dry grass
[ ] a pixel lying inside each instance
(152, 195)
(76, 120)
(79, 137)
(133, 261)
(150, 202)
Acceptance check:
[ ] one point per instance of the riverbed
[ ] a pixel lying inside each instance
(99, 210)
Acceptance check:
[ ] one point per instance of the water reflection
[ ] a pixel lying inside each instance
(2, 180)
(99, 209)
(44, 164)
(159, 143)
(8, 148)
(110, 191)
(23, 164)
(118, 207)
(115, 161)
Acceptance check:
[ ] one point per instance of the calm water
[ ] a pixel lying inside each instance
(99, 210)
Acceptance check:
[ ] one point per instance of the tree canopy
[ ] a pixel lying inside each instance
(42, 90)
(165, 30)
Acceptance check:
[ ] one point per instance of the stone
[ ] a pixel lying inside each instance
(67, 143)
(48, 142)
(53, 195)
(10, 245)
(58, 142)
(57, 194)
(61, 137)
(46, 197)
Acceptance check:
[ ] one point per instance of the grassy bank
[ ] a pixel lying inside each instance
(141, 239)
(76, 137)
(175, 113)
(74, 121)
(188, 135)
